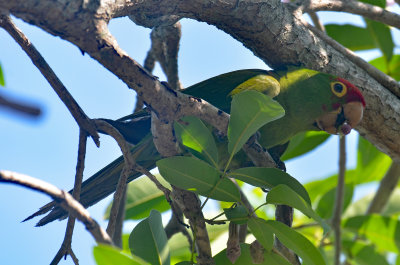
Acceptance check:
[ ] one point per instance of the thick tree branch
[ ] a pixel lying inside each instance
(355, 7)
(252, 23)
(64, 199)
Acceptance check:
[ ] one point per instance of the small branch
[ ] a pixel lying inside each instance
(385, 190)
(20, 107)
(233, 245)
(37, 59)
(355, 7)
(64, 199)
(126, 171)
(165, 47)
(176, 225)
(385, 80)
(338, 208)
(66, 248)
(158, 184)
(317, 23)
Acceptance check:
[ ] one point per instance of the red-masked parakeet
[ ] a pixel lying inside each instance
(312, 101)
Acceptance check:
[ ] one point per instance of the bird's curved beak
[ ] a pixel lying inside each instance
(343, 119)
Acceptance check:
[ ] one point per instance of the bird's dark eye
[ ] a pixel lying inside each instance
(338, 88)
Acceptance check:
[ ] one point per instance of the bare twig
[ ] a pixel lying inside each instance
(64, 199)
(146, 172)
(66, 248)
(385, 190)
(164, 49)
(317, 23)
(385, 80)
(338, 208)
(37, 59)
(126, 171)
(355, 7)
(20, 107)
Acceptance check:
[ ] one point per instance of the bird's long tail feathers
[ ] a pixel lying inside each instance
(104, 182)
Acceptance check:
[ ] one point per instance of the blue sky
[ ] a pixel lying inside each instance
(46, 148)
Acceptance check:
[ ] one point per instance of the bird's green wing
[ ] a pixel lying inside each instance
(219, 90)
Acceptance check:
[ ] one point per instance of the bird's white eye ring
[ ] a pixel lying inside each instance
(339, 89)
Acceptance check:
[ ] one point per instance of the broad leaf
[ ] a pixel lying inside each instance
(250, 110)
(198, 176)
(107, 255)
(149, 241)
(268, 178)
(372, 165)
(362, 253)
(382, 37)
(284, 195)
(353, 37)
(392, 69)
(327, 201)
(141, 197)
(237, 215)
(383, 231)
(192, 133)
(296, 242)
(270, 258)
(261, 232)
(303, 143)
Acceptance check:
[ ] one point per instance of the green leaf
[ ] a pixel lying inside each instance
(270, 258)
(327, 201)
(382, 37)
(141, 197)
(372, 165)
(392, 69)
(149, 241)
(238, 215)
(108, 255)
(184, 263)
(380, 3)
(303, 143)
(268, 178)
(2, 82)
(196, 175)
(192, 133)
(383, 231)
(362, 253)
(261, 232)
(250, 110)
(296, 242)
(353, 37)
(284, 195)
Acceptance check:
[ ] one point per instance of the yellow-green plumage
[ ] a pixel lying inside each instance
(304, 94)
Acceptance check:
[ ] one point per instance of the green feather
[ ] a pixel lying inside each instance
(304, 94)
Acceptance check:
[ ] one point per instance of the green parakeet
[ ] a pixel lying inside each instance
(312, 101)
